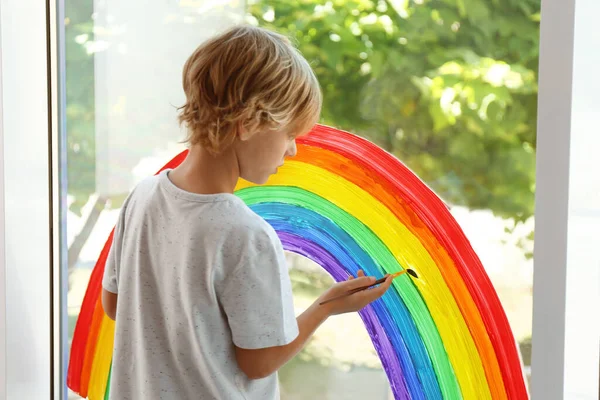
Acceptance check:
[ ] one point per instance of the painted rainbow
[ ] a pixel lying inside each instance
(347, 204)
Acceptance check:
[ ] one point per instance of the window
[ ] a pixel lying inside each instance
(123, 69)
(451, 90)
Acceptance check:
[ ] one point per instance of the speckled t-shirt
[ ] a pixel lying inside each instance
(194, 275)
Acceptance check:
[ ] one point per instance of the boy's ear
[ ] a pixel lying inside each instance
(242, 132)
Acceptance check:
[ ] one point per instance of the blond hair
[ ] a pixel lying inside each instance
(247, 78)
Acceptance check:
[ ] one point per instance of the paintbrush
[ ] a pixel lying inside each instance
(377, 282)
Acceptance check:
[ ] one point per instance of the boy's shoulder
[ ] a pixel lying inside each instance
(246, 224)
(221, 214)
(226, 210)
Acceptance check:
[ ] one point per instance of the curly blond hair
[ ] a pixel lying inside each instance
(247, 78)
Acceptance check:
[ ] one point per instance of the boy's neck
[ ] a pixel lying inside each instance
(204, 173)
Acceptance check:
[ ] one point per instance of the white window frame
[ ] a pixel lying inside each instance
(566, 267)
(30, 328)
(31, 358)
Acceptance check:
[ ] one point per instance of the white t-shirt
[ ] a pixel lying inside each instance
(194, 275)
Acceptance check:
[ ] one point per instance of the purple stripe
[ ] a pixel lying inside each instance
(382, 345)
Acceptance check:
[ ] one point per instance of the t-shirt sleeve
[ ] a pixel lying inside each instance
(110, 280)
(257, 296)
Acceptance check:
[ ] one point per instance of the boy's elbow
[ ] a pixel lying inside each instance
(255, 373)
(109, 304)
(112, 314)
(253, 363)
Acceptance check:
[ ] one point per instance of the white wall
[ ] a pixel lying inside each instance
(582, 322)
(2, 254)
(25, 262)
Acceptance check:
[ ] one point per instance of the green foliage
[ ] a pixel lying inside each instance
(448, 86)
(81, 140)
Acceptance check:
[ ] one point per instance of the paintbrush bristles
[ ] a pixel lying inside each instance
(409, 271)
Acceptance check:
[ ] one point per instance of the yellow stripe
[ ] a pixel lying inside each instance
(102, 359)
(409, 252)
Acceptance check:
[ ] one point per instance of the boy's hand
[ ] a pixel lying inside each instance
(356, 301)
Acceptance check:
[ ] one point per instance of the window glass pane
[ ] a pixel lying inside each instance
(123, 82)
(448, 87)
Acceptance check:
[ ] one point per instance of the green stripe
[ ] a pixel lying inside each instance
(379, 252)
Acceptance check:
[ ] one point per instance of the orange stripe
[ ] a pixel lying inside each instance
(347, 169)
(102, 359)
(90, 347)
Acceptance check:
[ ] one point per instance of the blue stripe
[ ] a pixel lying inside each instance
(400, 328)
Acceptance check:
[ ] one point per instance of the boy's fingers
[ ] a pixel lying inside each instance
(380, 290)
(359, 274)
(385, 285)
(358, 282)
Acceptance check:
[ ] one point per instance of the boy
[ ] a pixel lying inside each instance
(196, 281)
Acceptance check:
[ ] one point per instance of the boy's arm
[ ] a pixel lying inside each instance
(260, 363)
(110, 286)
(109, 304)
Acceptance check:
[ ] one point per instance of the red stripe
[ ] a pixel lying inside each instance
(424, 203)
(433, 212)
(83, 332)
